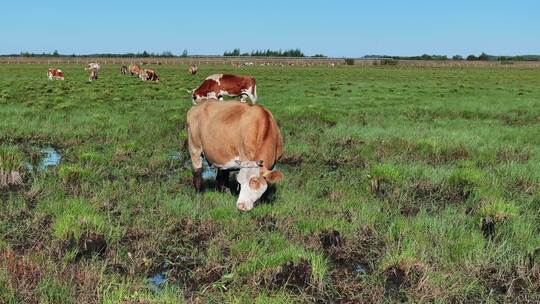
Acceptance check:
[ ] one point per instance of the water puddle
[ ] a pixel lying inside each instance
(209, 172)
(360, 269)
(50, 157)
(158, 278)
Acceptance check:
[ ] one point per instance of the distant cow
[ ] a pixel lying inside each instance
(134, 69)
(235, 136)
(147, 74)
(218, 85)
(192, 70)
(124, 70)
(93, 65)
(53, 73)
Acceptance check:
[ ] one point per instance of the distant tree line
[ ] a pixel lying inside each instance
(481, 57)
(165, 54)
(269, 53)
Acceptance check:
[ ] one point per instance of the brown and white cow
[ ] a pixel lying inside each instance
(134, 69)
(235, 136)
(93, 74)
(147, 74)
(124, 70)
(53, 73)
(192, 70)
(92, 65)
(218, 85)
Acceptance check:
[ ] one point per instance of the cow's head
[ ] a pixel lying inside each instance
(254, 179)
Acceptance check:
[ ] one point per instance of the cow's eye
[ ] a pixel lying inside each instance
(255, 183)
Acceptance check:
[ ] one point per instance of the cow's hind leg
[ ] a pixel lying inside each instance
(196, 159)
(222, 179)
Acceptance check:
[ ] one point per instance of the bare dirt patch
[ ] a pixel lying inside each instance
(293, 275)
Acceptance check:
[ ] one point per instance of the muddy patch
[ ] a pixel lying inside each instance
(519, 283)
(267, 222)
(293, 275)
(291, 160)
(403, 276)
(330, 239)
(91, 244)
(353, 256)
(396, 278)
(487, 225)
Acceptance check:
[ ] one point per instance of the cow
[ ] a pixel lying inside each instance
(218, 85)
(147, 74)
(53, 73)
(134, 69)
(93, 74)
(192, 70)
(235, 136)
(124, 70)
(92, 65)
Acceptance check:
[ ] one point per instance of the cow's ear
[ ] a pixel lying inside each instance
(273, 177)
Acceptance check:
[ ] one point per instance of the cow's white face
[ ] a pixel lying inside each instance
(253, 183)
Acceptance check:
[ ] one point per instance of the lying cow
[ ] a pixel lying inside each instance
(53, 73)
(235, 136)
(124, 70)
(192, 70)
(147, 74)
(134, 69)
(218, 85)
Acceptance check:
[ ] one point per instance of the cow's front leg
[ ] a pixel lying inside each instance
(222, 179)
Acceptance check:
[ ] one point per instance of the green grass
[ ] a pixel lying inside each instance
(405, 164)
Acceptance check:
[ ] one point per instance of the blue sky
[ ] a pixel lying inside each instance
(334, 28)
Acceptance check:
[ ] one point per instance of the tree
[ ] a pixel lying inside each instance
(471, 57)
(483, 57)
(235, 52)
(184, 53)
(55, 53)
(457, 57)
(167, 54)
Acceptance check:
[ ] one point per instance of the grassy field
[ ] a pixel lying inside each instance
(401, 185)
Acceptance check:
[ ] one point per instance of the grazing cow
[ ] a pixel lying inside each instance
(134, 69)
(93, 74)
(57, 74)
(193, 69)
(147, 74)
(235, 136)
(218, 85)
(93, 65)
(124, 70)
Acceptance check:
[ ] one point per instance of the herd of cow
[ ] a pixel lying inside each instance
(231, 135)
